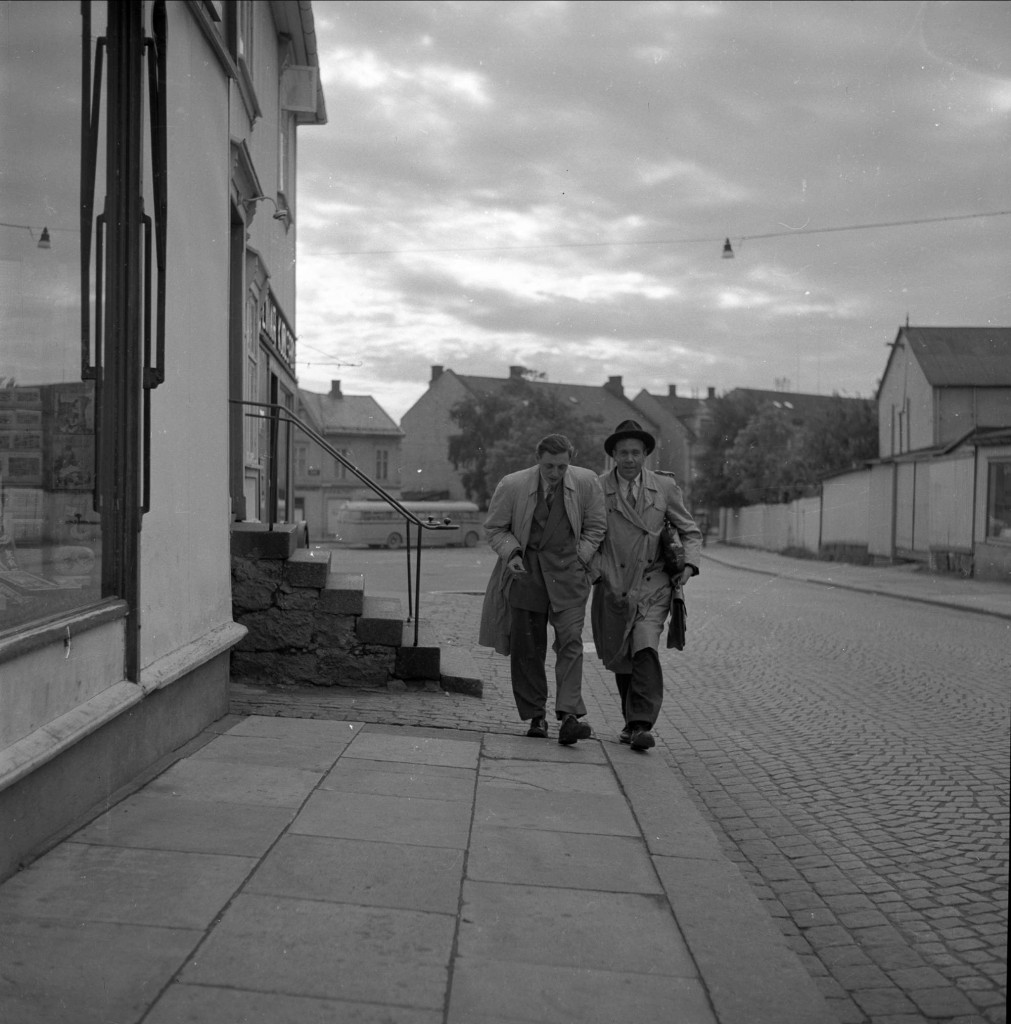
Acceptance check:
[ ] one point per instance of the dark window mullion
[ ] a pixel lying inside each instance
(121, 407)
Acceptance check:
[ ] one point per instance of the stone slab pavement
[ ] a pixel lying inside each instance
(314, 869)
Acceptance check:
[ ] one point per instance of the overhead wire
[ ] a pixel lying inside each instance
(787, 232)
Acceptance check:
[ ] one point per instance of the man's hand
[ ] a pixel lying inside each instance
(686, 574)
(515, 567)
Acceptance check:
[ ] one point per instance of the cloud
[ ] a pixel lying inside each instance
(550, 184)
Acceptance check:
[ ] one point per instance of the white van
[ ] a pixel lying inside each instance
(375, 524)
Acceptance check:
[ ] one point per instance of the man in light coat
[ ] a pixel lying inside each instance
(634, 595)
(544, 523)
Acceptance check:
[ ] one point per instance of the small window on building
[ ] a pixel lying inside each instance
(382, 464)
(301, 459)
(998, 502)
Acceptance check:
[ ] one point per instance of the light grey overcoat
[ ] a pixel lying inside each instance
(633, 598)
(507, 528)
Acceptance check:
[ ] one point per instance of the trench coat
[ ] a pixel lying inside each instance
(634, 595)
(507, 529)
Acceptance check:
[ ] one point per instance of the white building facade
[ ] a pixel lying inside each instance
(150, 145)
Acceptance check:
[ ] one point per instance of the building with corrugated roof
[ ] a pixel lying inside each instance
(360, 429)
(941, 383)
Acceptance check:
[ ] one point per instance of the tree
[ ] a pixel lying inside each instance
(499, 431)
(841, 437)
(714, 487)
(753, 453)
(764, 464)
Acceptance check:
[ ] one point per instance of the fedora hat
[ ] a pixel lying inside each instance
(629, 429)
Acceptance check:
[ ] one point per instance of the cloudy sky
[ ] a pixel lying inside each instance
(549, 184)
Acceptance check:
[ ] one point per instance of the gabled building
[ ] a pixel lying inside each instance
(942, 383)
(427, 425)
(942, 489)
(682, 422)
(359, 429)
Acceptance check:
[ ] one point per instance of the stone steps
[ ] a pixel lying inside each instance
(311, 624)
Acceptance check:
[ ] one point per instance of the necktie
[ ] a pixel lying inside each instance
(630, 497)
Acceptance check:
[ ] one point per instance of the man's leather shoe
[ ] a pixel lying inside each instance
(572, 729)
(538, 728)
(642, 739)
(626, 734)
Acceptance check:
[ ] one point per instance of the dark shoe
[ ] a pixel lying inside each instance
(642, 739)
(538, 728)
(572, 729)
(626, 734)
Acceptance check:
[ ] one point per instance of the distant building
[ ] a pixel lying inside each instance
(940, 492)
(427, 426)
(683, 424)
(941, 383)
(359, 429)
(944, 419)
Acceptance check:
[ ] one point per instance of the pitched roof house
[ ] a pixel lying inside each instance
(358, 427)
(682, 422)
(427, 425)
(941, 384)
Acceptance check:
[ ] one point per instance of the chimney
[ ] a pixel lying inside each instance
(335, 389)
(515, 372)
(436, 374)
(614, 386)
(672, 390)
(711, 393)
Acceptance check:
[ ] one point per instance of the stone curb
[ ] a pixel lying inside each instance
(751, 974)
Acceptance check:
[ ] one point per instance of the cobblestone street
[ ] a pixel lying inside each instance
(849, 751)
(853, 752)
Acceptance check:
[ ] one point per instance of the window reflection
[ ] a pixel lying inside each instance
(50, 540)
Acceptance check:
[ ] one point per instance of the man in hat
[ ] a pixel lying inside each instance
(635, 595)
(545, 523)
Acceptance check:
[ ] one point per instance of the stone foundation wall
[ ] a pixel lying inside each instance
(293, 637)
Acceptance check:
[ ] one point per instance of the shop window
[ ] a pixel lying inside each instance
(998, 521)
(50, 533)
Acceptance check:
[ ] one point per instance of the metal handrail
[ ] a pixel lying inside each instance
(280, 413)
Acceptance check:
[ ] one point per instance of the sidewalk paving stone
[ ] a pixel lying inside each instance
(389, 819)
(200, 826)
(566, 927)
(329, 950)
(400, 778)
(200, 1003)
(544, 994)
(552, 858)
(363, 872)
(166, 888)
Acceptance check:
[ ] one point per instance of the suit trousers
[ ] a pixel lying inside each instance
(528, 650)
(641, 690)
